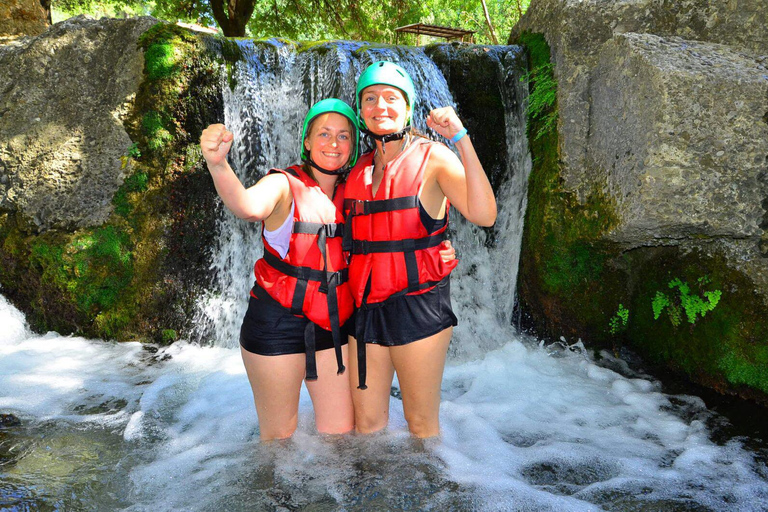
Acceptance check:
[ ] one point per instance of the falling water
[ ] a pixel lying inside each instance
(275, 87)
(130, 426)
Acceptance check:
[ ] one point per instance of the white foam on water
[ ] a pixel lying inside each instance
(524, 428)
(13, 325)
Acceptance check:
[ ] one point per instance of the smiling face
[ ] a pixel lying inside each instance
(384, 109)
(330, 141)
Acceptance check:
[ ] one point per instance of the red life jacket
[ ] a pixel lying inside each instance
(392, 253)
(311, 281)
(389, 242)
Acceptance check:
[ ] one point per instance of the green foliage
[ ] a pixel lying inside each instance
(368, 20)
(693, 305)
(134, 152)
(154, 129)
(93, 267)
(542, 99)
(619, 320)
(169, 335)
(63, 9)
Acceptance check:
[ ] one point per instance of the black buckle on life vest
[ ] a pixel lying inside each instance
(357, 206)
(333, 230)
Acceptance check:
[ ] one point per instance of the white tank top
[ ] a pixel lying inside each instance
(280, 238)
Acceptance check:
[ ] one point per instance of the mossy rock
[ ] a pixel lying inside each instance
(138, 275)
(572, 280)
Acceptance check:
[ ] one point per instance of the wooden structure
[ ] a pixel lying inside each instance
(450, 34)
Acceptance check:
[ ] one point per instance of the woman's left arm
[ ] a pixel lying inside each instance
(466, 186)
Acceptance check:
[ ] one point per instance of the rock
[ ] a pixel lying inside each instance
(661, 107)
(23, 17)
(9, 420)
(657, 173)
(576, 31)
(64, 94)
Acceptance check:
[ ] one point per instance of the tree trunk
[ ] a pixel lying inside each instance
(232, 15)
(491, 32)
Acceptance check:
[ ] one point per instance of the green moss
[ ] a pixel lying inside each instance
(749, 369)
(93, 267)
(161, 61)
(154, 128)
(135, 183)
(169, 336)
(564, 265)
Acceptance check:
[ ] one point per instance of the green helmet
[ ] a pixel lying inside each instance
(336, 106)
(386, 73)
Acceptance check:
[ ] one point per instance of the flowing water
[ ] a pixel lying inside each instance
(105, 426)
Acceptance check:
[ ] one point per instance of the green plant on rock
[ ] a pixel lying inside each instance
(154, 126)
(619, 320)
(134, 151)
(169, 336)
(542, 99)
(692, 304)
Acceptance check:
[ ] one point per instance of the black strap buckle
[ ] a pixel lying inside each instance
(359, 207)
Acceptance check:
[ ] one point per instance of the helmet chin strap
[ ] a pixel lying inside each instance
(337, 172)
(389, 137)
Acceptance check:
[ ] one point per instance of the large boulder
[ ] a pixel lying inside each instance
(61, 120)
(648, 206)
(677, 135)
(23, 17)
(576, 31)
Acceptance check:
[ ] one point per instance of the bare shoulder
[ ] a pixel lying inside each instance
(276, 183)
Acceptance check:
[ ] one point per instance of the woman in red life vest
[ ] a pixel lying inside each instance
(396, 207)
(294, 329)
(300, 302)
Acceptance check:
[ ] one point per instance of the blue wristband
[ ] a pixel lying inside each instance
(456, 138)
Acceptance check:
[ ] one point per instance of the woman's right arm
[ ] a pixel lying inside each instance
(253, 204)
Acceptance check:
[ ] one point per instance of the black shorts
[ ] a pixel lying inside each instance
(408, 318)
(271, 330)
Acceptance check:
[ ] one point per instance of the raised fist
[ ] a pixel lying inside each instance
(444, 121)
(215, 143)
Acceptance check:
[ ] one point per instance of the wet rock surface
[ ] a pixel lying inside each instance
(658, 171)
(61, 111)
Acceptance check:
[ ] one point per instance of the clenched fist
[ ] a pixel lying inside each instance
(444, 121)
(215, 143)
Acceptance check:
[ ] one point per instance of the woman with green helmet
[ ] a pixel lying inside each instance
(396, 214)
(294, 329)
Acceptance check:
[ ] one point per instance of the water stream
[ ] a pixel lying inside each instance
(107, 426)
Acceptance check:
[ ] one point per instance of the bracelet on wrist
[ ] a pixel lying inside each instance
(456, 138)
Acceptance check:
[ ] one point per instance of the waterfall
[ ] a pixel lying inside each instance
(96, 425)
(275, 86)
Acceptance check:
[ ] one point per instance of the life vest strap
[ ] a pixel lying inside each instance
(309, 334)
(328, 283)
(313, 228)
(363, 207)
(305, 273)
(407, 245)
